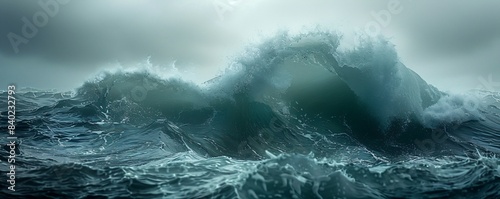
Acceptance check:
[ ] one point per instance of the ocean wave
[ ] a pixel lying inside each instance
(302, 115)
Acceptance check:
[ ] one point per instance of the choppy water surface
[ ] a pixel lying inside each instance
(293, 117)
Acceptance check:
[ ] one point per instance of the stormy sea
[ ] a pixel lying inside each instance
(311, 115)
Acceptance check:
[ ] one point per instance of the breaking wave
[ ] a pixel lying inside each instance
(297, 116)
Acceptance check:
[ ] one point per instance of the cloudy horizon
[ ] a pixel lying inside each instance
(59, 44)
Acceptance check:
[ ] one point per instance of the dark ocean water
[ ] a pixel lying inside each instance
(294, 117)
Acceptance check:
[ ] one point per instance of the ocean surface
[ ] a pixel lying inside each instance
(310, 115)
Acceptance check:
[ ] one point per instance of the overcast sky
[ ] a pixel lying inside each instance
(452, 44)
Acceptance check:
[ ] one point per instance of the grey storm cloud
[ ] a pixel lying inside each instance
(435, 38)
(96, 31)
